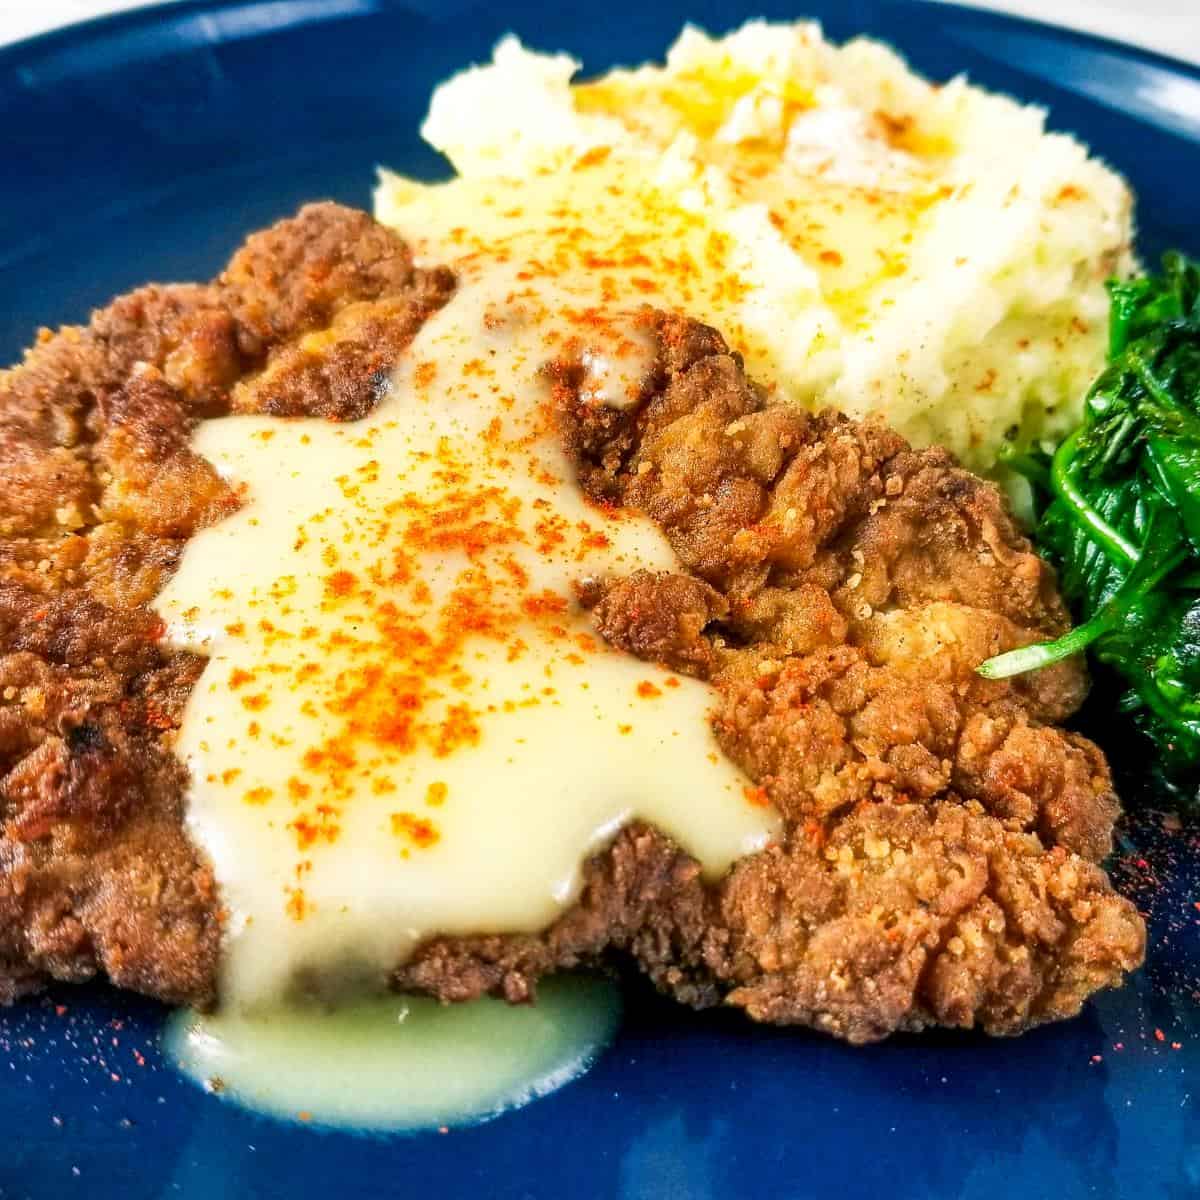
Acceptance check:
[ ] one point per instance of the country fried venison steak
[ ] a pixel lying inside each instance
(939, 863)
(99, 494)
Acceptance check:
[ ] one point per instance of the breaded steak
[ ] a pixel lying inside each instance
(99, 494)
(940, 858)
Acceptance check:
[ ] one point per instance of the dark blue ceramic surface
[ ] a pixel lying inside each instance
(144, 147)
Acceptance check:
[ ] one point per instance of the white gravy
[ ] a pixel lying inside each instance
(406, 726)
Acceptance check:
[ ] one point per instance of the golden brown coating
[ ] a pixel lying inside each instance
(100, 493)
(938, 864)
(902, 918)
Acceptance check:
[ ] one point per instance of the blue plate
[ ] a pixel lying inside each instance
(145, 146)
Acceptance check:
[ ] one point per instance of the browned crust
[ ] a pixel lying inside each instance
(939, 861)
(938, 864)
(101, 493)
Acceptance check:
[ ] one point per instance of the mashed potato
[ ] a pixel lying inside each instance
(867, 239)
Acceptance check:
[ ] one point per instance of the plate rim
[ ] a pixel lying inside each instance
(87, 35)
(151, 12)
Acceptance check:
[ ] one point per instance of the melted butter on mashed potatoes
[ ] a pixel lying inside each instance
(867, 239)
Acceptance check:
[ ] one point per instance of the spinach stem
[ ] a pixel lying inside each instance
(1110, 540)
(1150, 381)
(1044, 654)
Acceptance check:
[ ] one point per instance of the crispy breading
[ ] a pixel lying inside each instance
(100, 493)
(938, 863)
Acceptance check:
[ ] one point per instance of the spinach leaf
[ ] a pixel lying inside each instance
(1123, 520)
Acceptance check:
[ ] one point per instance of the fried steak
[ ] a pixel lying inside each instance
(940, 859)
